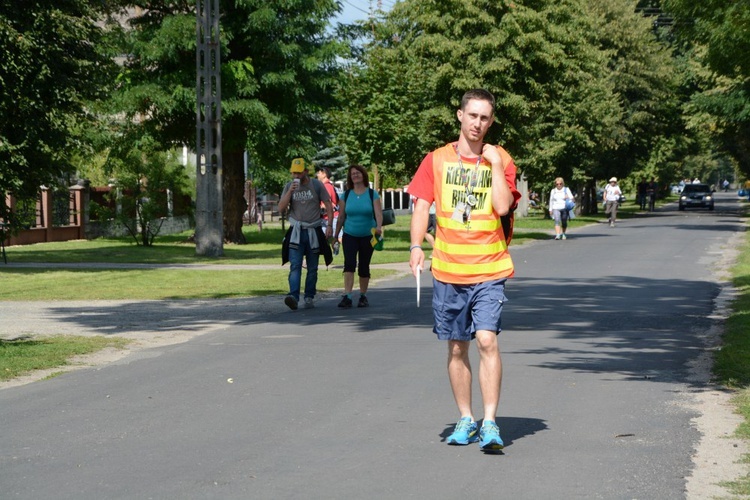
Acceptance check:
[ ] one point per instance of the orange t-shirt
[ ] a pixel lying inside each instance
(465, 253)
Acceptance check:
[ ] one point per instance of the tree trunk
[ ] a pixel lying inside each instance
(233, 179)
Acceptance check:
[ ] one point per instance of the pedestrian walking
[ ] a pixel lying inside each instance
(323, 174)
(643, 194)
(305, 238)
(612, 194)
(473, 186)
(359, 212)
(651, 191)
(558, 208)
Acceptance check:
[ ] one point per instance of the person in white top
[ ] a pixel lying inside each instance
(612, 195)
(557, 209)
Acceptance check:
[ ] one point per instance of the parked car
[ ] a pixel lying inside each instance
(697, 195)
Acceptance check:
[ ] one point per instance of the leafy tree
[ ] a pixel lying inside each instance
(580, 84)
(718, 32)
(145, 177)
(278, 72)
(722, 26)
(647, 80)
(52, 61)
(334, 158)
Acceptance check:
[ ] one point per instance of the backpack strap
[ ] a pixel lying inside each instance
(335, 194)
(372, 204)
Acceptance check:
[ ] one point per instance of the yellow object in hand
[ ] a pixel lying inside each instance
(377, 240)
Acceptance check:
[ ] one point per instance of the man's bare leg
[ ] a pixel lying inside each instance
(459, 373)
(490, 372)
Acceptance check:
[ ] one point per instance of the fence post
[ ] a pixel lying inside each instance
(45, 212)
(76, 211)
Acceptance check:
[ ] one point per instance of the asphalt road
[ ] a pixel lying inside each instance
(599, 335)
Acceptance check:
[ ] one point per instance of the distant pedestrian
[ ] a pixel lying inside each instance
(612, 194)
(558, 198)
(324, 176)
(643, 194)
(651, 190)
(429, 236)
(534, 199)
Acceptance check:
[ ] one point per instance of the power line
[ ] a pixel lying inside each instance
(356, 7)
(385, 5)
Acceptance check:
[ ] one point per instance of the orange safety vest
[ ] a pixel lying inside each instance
(477, 253)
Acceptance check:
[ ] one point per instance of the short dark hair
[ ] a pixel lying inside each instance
(480, 95)
(324, 169)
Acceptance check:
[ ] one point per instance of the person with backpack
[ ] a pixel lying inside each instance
(324, 176)
(359, 213)
(306, 239)
(473, 186)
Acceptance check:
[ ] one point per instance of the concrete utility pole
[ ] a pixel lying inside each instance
(209, 214)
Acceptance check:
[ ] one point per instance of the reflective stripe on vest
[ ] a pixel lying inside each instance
(466, 255)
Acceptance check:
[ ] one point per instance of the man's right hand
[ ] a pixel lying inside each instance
(416, 261)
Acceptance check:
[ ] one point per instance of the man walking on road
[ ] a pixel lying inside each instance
(472, 185)
(305, 238)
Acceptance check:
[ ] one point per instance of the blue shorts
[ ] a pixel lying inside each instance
(461, 310)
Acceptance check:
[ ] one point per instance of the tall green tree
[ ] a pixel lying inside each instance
(52, 63)
(334, 159)
(581, 85)
(647, 81)
(718, 32)
(278, 73)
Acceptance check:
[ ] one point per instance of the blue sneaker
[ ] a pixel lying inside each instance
(490, 437)
(465, 432)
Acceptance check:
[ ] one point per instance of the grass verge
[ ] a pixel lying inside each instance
(22, 356)
(732, 361)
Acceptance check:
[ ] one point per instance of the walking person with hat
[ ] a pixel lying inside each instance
(305, 238)
(612, 194)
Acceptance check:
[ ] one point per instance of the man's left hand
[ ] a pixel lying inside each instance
(492, 155)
